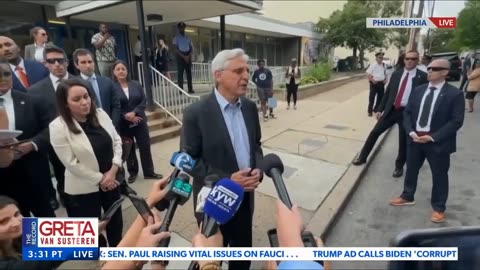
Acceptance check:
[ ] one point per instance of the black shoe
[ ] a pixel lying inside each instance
(370, 114)
(397, 173)
(191, 92)
(54, 204)
(359, 161)
(153, 176)
(132, 178)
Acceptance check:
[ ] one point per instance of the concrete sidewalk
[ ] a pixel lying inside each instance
(316, 143)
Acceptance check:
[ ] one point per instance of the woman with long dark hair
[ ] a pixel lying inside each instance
(161, 58)
(89, 147)
(133, 124)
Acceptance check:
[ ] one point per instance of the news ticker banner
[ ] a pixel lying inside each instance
(59, 239)
(279, 254)
(430, 22)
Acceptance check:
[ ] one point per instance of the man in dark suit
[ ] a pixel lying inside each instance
(44, 90)
(107, 98)
(25, 179)
(26, 72)
(468, 66)
(432, 118)
(222, 132)
(390, 110)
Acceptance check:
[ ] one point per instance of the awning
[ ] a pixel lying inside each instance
(124, 12)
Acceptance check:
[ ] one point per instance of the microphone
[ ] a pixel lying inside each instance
(220, 206)
(209, 181)
(179, 191)
(272, 165)
(182, 162)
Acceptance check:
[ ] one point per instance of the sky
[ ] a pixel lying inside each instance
(448, 8)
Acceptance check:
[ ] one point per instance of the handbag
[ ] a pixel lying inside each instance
(272, 102)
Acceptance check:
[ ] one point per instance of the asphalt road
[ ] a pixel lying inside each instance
(369, 221)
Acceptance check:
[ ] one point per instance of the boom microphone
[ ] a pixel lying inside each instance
(182, 162)
(272, 165)
(220, 206)
(180, 191)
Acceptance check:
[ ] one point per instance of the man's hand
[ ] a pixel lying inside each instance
(248, 182)
(425, 139)
(24, 148)
(378, 115)
(137, 119)
(414, 136)
(129, 116)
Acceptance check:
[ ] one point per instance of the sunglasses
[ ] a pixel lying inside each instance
(411, 59)
(53, 60)
(437, 68)
(5, 73)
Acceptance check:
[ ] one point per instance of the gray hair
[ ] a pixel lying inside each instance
(221, 60)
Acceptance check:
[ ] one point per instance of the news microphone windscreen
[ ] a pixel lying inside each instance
(182, 161)
(223, 201)
(271, 161)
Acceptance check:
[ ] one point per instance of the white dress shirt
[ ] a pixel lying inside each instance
(9, 108)
(56, 81)
(377, 71)
(436, 93)
(39, 52)
(125, 90)
(22, 65)
(408, 88)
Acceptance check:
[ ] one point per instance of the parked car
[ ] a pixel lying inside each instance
(455, 64)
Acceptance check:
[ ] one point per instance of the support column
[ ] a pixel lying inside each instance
(222, 32)
(146, 69)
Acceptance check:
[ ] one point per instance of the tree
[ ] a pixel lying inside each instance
(346, 28)
(468, 25)
(440, 40)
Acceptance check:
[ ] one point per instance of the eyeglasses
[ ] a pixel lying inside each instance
(437, 68)
(53, 60)
(5, 73)
(239, 71)
(411, 58)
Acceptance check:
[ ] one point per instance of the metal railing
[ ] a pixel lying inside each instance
(166, 94)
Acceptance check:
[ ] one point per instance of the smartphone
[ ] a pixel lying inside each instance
(111, 211)
(466, 239)
(141, 206)
(307, 238)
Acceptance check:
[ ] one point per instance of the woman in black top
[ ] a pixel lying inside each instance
(89, 147)
(161, 58)
(133, 124)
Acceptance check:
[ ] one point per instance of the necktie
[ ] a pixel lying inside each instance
(427, 106)
(94, 83)
(401, 91)
(22, 76)
(3, 115)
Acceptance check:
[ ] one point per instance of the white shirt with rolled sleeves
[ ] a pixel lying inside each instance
(377, 71)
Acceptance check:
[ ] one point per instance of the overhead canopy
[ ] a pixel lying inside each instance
(124, 12)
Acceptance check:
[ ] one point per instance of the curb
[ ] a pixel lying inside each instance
(332, 206)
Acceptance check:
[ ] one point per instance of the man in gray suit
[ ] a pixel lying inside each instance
(222, 132)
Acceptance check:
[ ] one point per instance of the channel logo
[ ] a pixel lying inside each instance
(50, 239)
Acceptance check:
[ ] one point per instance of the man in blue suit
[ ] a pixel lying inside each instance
(27, 72)
(106, 96)
(434, 114)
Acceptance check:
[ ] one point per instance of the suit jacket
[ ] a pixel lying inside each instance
(35, 73)
(447, 118)
(109, 98)
(31, 118)
(206, 139)
(386, 104)
(136, 101)
(82, 174)
(30, 51)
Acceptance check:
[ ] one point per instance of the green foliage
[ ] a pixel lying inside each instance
(346, 28)
(317, 73)
(441, 40)
(468, 26)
